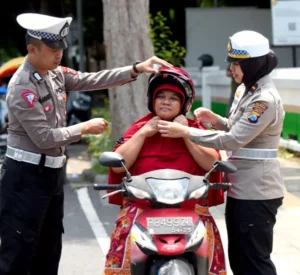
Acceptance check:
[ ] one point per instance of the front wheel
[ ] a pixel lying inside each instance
(172, 267)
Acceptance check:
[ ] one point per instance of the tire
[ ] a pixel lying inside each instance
(172, 267)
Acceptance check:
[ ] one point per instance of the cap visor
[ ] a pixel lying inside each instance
(231, 59)
(56, 45)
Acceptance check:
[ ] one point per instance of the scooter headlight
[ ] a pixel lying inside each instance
(169, 191)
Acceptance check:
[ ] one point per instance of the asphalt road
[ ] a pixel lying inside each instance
(86, 238)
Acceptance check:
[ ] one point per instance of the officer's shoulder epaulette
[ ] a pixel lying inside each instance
(264, 93)
(21, 77)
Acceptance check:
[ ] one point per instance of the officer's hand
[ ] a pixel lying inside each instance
(173, 129)
(203, 115)
(147, 66)
(94, 126)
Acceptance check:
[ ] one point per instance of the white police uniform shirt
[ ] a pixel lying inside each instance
(255, 121)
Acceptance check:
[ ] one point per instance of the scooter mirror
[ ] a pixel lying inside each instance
(224, 166)
(111, 159)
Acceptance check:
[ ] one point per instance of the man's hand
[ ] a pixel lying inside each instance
(150, 128)
(94, 126)
(203, 115)
(182, 120)
(173, 129)
(147, 66)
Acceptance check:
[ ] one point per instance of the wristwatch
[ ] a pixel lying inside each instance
(134, 67)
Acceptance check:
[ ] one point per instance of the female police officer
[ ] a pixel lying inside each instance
(31, 210)
(251, 137)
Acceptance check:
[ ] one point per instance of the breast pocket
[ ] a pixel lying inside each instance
(239, 113)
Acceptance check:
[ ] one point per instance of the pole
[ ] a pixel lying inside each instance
(80, 35)
(294, 56)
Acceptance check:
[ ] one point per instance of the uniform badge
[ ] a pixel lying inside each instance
(66, 70)
(64, 30)
(29, 98)
(47, 108)
(257, 111)
(229, 46)
(253, 88)
(238, 94)
(37, 76)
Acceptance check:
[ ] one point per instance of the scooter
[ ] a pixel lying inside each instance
(165, 238)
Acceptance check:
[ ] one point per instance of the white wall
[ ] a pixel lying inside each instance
(218, 85)
(208, 31)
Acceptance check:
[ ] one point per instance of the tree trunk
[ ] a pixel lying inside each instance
(127, 39)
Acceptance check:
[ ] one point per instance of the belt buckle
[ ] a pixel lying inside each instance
(18, 154)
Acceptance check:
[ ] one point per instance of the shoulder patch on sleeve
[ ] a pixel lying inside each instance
(66, 70)
(257, 111)
(29, 98)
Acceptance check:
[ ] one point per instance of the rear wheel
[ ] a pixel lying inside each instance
(172, 267)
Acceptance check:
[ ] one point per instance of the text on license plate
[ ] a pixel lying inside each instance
(173, 225)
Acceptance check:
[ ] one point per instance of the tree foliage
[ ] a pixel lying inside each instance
(164, 46)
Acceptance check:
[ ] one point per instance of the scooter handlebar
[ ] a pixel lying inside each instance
(223, 185)
(101, 186)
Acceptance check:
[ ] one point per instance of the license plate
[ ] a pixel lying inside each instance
(174, 225)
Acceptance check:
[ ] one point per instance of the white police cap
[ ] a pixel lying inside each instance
(246, 44)
(51, 30)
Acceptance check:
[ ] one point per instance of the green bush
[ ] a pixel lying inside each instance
(210, 3)
(164, 46)
(100, 143)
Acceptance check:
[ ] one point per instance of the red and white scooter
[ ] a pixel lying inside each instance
(166, 238)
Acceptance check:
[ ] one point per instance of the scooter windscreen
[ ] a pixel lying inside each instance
(169, 191)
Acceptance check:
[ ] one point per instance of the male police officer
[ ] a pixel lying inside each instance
(32, 176)
(251, 136)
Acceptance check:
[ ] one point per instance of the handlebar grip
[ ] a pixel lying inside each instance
(101, 186)
(223, 185)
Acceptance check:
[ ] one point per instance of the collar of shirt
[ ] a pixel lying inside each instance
(259, 84)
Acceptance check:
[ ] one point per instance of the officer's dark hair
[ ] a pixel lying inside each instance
(33, 41)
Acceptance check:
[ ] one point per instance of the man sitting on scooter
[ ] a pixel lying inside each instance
(170, 96)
